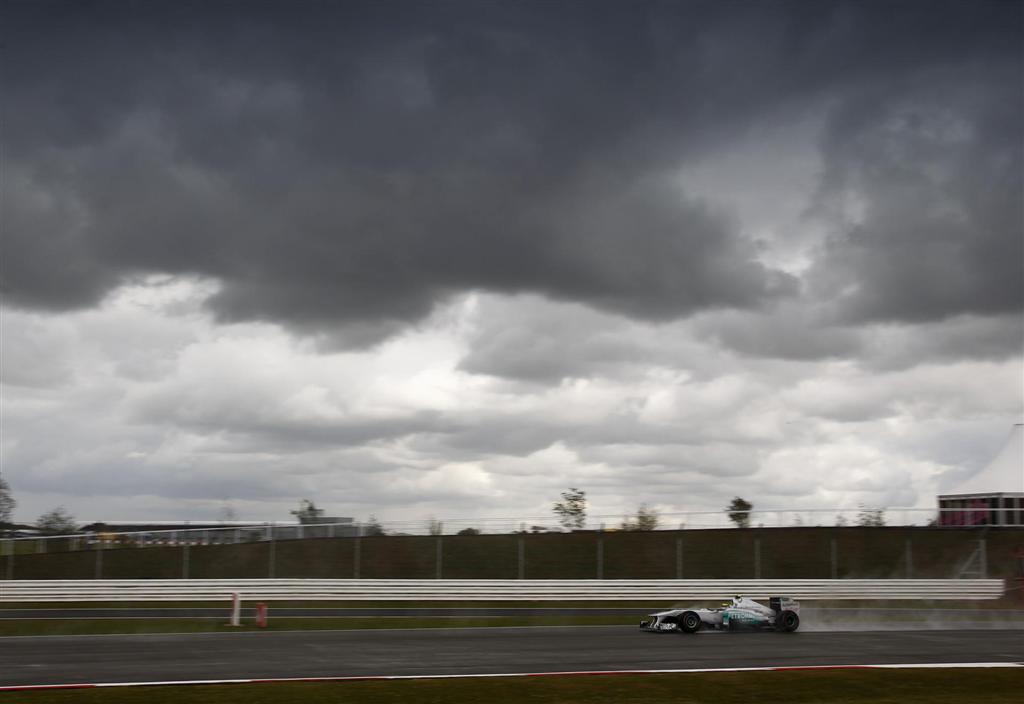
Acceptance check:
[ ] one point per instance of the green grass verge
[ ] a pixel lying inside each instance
(57, 627)
(954, 686)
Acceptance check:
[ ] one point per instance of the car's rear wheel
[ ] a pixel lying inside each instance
(690, 622)
(789, 621)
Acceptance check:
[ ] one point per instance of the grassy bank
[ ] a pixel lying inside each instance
(979, 686)
(769, 553)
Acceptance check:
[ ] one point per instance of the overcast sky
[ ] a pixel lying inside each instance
(447, 259)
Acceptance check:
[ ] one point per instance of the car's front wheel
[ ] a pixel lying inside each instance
(690, 622)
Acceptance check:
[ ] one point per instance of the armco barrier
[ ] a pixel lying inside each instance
(488, 590)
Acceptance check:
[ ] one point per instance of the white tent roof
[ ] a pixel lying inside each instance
(1004, 474)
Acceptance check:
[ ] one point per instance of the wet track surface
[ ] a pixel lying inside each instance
(318, 611)
(814, 618)
(69, 659)
(872, 617)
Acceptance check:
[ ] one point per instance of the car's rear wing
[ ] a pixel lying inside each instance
(778, 604)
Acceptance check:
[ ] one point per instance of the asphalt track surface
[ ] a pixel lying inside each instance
(815, 618)
(873, 617)
(134, 658)
(317, 612)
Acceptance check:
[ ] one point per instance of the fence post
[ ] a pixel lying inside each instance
(522, 558)
(355, 554)
(184, 561)
(909, 557)
(834, 559)
(272, 557)
(439, 556)
(757, 558)
(99, 562)
(983, 558)
(600, 557)
(679, 558)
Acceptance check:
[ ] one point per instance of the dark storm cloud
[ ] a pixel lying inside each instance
(351, 165)
(932, 168)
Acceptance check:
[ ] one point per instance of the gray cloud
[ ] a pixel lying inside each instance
(529, 339)
(575, 226)
(923, 182)
(888, 346)
(350, 167)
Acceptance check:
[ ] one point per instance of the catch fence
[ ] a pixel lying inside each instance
(26, 541)
(804, 552)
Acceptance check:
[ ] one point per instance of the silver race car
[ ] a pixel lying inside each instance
(740, 613)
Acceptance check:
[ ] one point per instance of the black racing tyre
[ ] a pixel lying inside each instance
(690, 622)
(789, 621)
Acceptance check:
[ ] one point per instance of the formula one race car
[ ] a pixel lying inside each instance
(740, 613)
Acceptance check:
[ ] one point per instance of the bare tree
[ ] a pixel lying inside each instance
(572, 509)
(646, 519)
(373, 526)
(228, 513)
(871, 517)
(308, 512)
(7, 503)
(739, 512)
(434, 526)
(56, 522)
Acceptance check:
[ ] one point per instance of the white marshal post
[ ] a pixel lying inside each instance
(236, 609)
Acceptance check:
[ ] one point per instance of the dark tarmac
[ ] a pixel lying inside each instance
(137, 658)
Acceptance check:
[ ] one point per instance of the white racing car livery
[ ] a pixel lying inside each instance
(782, 614)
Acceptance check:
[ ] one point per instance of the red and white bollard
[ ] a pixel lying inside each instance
(261, 615)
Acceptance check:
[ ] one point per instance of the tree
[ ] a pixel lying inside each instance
(56, 522)
(7, 503)
(871, 517)
(372, 526)
(228, 514)
(739, 512)
(646, 519)
(469, 531)
(572, 509)
(308, 512)
(435, 527)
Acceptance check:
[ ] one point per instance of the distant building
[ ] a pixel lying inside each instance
(994, 496)
(337, 526)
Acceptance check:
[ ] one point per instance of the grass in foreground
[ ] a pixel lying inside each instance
(953, 686)
(78, 627)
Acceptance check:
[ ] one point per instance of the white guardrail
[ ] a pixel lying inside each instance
(489, 590)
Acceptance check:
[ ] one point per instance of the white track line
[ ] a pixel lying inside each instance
(371, 678)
